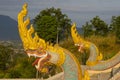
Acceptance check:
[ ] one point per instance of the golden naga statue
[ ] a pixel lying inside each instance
(35, 46)
(94, 63)
(46, 52)
(95, 55)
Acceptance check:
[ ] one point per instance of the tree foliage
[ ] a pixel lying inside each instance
(5, 57)
(88, 30)
(47, 28)
(50, 22)
(101, 28)
(115, 27)
(95, 27)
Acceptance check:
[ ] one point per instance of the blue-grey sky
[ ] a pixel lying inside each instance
(79, 11)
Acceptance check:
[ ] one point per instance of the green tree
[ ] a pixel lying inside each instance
(5, 57)
(100, 27)
(52, 22)
(115, 27)
(47, 28)
(23, 68)
(12, 74)
(88, 30)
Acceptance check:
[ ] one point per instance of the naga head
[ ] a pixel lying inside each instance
(78, 40)
(42, 57)
(35, 46)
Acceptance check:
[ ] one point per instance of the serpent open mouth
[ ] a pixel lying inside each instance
(80, 47)
(39, 61)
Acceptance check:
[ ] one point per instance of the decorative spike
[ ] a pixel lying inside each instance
(26, 22)
(76, 38)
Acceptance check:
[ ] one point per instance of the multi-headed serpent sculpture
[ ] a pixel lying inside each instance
(44, 52)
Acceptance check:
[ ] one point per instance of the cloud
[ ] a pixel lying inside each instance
(76, 9)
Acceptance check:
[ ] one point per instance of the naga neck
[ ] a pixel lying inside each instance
(71, 66)
(95, 56)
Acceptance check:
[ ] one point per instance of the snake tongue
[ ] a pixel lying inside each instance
(35, 62)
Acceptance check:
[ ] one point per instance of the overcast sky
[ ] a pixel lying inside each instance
(79, 11)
